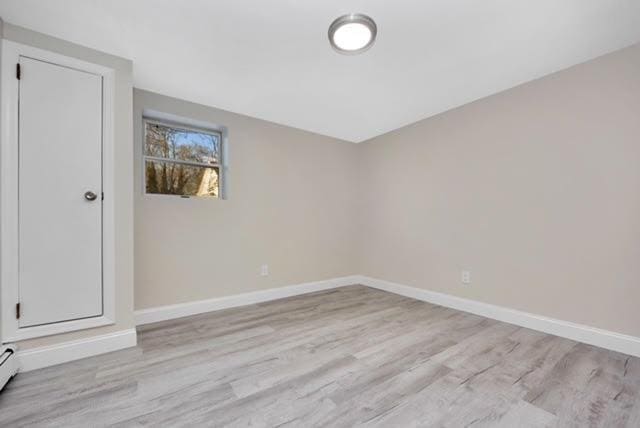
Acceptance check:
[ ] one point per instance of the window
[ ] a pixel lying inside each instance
(181, 160)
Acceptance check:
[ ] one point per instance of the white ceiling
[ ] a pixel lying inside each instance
(272, 60)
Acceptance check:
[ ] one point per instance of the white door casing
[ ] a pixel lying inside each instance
(56, 247)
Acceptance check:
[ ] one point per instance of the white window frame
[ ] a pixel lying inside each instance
(179, 123)
(9, 267)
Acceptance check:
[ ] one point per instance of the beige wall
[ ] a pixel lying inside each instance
(123, 176)
(291, 205)
(535, 190)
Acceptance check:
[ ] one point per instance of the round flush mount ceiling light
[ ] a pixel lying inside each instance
(352, 34)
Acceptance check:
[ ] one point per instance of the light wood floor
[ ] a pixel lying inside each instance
(353, 356)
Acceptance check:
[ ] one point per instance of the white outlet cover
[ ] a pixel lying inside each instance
(466, 277)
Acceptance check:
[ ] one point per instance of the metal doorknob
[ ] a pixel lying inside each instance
(90, 196)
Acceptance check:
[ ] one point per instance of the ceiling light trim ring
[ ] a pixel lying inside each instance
(353, 18)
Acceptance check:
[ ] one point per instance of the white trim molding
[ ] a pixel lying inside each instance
(45, 356)
(162, 313)
(9, 240)
(618, 342)
(580, 333)
(56, 328)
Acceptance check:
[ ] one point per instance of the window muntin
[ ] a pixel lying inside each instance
(181, 160)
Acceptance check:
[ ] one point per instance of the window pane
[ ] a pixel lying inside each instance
(175, 143)
(171, 178)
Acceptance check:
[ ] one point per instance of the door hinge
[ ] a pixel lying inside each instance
(102, 196)
(18, 71)
(17, 311)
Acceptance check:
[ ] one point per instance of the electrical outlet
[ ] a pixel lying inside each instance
(264, 270)
(466, 277)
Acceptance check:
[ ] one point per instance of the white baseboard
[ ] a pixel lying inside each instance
(162, 313)
(580, 333)
(46, 356)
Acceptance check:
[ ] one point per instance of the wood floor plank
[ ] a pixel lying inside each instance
(348, 357)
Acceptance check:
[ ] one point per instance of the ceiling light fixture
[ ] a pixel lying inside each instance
(352, 34)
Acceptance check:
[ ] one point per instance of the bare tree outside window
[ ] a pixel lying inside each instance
(181, 161)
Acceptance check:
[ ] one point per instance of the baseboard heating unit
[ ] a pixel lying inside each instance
(8, 364)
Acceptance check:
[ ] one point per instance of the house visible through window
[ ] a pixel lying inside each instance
(180, 160)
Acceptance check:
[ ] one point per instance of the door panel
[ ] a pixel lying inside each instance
(60, 159)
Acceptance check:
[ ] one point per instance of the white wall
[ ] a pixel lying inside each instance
(1, 37)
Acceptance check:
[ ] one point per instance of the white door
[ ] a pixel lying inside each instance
(60, 172)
